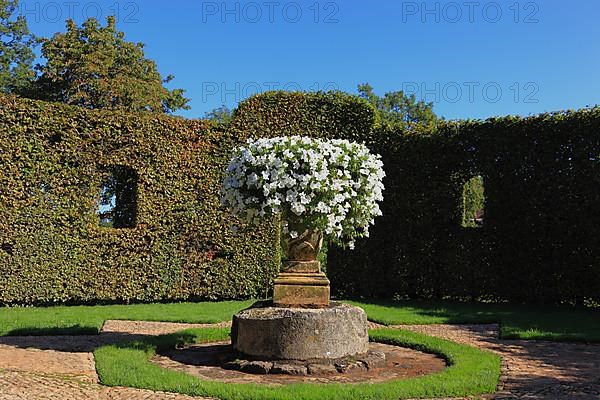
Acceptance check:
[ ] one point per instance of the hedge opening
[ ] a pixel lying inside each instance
(473, 203)
(118, 198)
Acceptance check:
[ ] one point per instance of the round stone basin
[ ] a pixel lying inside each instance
(281, 333)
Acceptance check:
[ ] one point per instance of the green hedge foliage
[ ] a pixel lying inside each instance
(53, 161)
(542, 184)
(538, 242)
(539, 239)
(319, 114)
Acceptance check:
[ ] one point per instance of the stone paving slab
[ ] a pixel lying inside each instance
(28, 386)
(154, 328)
(62, 367)
(50, 362)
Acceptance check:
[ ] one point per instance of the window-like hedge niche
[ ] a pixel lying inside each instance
(118, 198)
(473, 203)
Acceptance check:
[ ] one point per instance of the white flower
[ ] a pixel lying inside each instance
(307, 178)
(297, 208)
(252, 179)
(304, 198)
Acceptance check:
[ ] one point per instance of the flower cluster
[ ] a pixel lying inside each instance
(331, 185)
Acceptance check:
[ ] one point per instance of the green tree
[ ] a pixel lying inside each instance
(16, 53)
(221, 114)
(95, 67)
(398, 108)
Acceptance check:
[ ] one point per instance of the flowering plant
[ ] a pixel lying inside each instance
(330, 185)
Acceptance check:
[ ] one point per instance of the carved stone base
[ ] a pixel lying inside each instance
(298, 289)
(301, 284)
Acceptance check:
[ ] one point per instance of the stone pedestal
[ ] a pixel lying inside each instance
(276, 333)
(301, 284)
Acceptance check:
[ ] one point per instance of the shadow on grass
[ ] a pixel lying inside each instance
(46, 339)
(58, 331)
(444, 312)
(516, 321)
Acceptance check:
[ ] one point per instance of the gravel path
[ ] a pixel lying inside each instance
(62, 367)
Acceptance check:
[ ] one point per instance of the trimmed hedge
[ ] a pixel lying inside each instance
(542, 222)
(53, 160)
(538, 242)
(319, 114)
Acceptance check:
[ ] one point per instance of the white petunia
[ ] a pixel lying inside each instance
(308, 178)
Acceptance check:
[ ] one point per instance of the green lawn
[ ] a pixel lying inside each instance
(470, 372)
(517, 322)
(89, 319)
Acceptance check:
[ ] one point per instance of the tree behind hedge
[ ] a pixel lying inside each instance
(16, 54)
(93, 66)
(398, 108)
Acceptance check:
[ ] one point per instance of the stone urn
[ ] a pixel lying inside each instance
(301, 283)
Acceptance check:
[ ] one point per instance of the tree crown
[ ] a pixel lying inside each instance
(93, 66)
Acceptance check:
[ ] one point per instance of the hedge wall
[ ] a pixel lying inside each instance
(540, 237)
(53, 159)
(542, 222)
(325, 115)
(538, 243)
(408, 253)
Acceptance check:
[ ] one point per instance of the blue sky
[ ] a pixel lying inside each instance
(473, 59)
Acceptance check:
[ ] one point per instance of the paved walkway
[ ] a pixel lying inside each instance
(62, 367)
(531, 369)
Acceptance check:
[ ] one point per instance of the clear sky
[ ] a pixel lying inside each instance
(473, 59)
